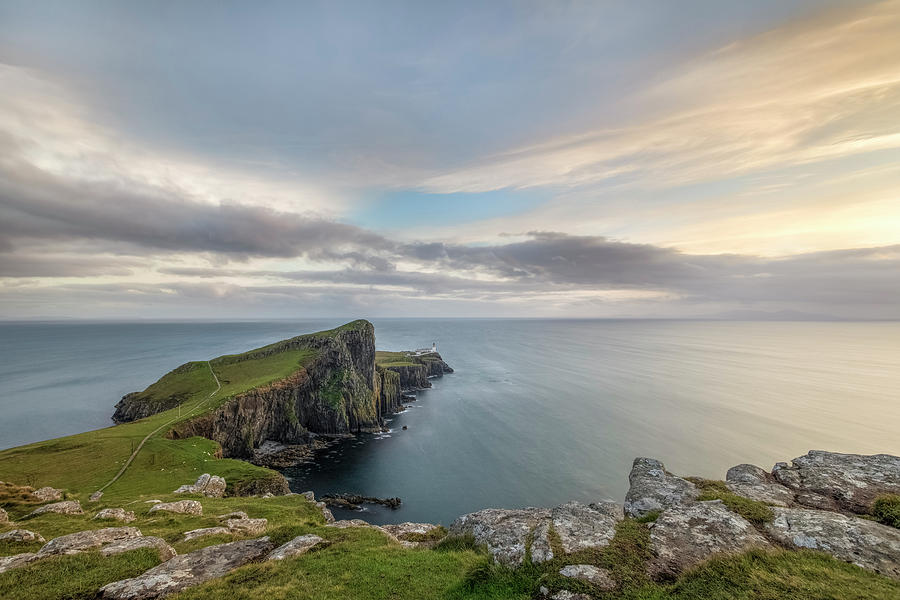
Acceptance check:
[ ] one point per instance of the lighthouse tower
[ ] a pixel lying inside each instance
(434, 346)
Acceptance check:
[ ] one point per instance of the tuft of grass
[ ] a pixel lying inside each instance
(886, 510)
(758, 513)
(76, 577)
(650, 517)
(460, 543)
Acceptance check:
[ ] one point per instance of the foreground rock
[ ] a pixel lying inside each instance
(848, 481)
(205, 531)
(590, 574)
(652, 488)
(211, 486)
(188, 570)
(503, 531)
(160, 545)
(247, 526)
(47, 494)
(753, 482)
(858, 541)
(185, 507)
(21, 535)
(297, 546)
(67, 507)
(415, 535)
(684, 536)
(115, 514)
(578, 527)
(7, 563)
(87, 540)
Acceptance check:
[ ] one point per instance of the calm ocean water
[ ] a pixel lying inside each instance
(537, 413)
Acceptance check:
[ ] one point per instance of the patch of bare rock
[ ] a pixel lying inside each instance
(753, 482)
(47, 494)
(115, 514)
(66, 507)
(414, 535)
(204, 532)
(652, 488)
(74, 543)
(188, 570)
(684, 536)
(208, 485)
(127, 545)
(297, 546)
(21, 535)
(185, 507)
(590, 574)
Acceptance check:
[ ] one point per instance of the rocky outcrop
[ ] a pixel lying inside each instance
(188, 570)
(87, 540)
(849, 482)
(185, 507)
(415, 370)
(211, 486)
(21, 535)
(47, 494)
(205, 531)
(297, 546)
(66, 507)
(247, 526)
(858, 541)
(752, 482)
(115, 514)
(686, 535)
(164, 550)
(652, 488)
(505, 532)
(577, 527)
(595, 576)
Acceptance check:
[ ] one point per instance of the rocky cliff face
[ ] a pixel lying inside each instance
(339, 392)
(414, 375)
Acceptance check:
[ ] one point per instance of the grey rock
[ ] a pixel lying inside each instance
(116, 514)
(7, 563)
(409, 533)
(208, 485)
(247, 526)
(652, 488)
(47, 494)
(851, 481)
(326, 512)
(21, 535)
(238, 514)
(503, 531)
(753, 482)
(186, 507)
(205, 531)
(344, 524)
(582, 526)
(188, 570)
(859, 541)
(4, 517)
(309, 496)
(684, 536)
(87, 540)
(95, 497)
(160, 545)
(591, 574)
(67, 507)
(569, 595)
(297, 546)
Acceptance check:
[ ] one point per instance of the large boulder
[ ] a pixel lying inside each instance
(21, 535)
(208, 485)
(578, 527)
(185, 507)
(297, 546)
(160, 545)
(67, 507)
(652, 488)
(850, 481)
(74, 543)
(115, 514)
(247, 526)
(686, 535)
(187, 570)
(15, 561)
(753, 482)
(505, 532)
(47, 494)
(859, 541)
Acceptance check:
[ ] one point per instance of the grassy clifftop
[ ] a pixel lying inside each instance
(84, 462)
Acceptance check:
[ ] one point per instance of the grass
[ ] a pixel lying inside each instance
(886, 510)
(754, 511)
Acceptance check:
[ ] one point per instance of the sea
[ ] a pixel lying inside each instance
(538, 412)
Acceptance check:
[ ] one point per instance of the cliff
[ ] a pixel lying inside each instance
(414, 370)
(335, 388)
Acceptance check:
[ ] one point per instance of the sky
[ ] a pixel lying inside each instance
(643, 159)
